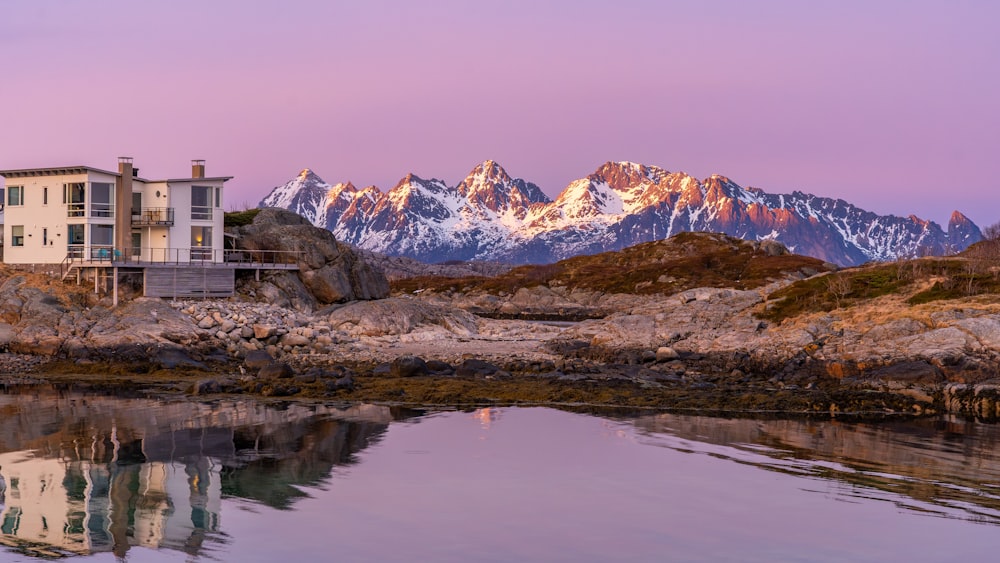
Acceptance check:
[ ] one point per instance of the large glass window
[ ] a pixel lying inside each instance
(201, 243)
(201, 202)
(136, 204)
(101, 204)
(74, 198)
(15, 195)
(17, 235)
(102, 235)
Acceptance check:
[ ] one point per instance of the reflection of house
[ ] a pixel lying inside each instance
(90, 507)
(94, 224)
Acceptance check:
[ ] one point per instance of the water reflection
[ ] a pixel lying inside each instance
(241, 480)
(942, 467)
(86, 474)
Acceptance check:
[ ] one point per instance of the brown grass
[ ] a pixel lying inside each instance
(684, 261)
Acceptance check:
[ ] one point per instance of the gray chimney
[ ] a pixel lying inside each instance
(197, 168)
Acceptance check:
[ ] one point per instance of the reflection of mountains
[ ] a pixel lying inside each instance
(946, 468)
(92, 473)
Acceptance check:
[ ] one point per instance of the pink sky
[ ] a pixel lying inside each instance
(891, 105)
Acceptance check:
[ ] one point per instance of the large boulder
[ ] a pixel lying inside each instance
(398, 316)
(330, 272)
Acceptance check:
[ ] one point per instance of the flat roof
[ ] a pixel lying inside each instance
(57, 171)
(69, 170)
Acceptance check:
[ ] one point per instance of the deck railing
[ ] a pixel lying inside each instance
(197, 255)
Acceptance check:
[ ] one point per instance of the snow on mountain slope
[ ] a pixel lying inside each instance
(490, 215)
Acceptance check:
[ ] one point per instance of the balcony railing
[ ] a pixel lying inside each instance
(153, 217)
(192, 255)
(79, 209)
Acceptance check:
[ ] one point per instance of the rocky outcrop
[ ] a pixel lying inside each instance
(401, 267)
(400, 316)
(329, 272)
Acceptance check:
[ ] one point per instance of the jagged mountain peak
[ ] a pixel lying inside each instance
(489, 186)
(487, 172)
(958, 218)
(962, 231)
(307, 175)
(624, 174)
(491, 215)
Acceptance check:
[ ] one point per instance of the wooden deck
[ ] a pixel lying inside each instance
(176, 278)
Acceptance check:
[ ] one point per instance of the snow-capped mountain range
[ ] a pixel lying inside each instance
(491, 216)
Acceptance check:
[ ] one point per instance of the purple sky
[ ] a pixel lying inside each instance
(892, 105)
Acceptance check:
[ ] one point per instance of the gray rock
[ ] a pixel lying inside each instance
(292, 339)
(276, 370)
(399, 316)
(437, 367)
(173, 358)
(346, 382)
(257, 359)
(329, 272)
(408, 366)
(476, 368)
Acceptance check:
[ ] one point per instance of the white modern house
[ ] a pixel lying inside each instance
(67, 213)
(95, 224)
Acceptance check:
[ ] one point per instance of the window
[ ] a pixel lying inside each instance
(45, 237)
(201, 202)
(74, 234)
(45, 196)
(136, 204)
(218, 198)
(15, 195)
(102, 240)
(201, 243)
(102, 235)
(17, 235)
(101, 204)
(74, 198)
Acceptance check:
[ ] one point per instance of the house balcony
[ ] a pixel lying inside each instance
(153, 217)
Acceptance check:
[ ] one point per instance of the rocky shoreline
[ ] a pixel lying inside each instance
(331, 332)
(406, 350)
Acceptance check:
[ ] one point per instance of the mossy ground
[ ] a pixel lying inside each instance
(716, 394)
(918, 281)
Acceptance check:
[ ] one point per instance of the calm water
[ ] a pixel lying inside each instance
(144, 480)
